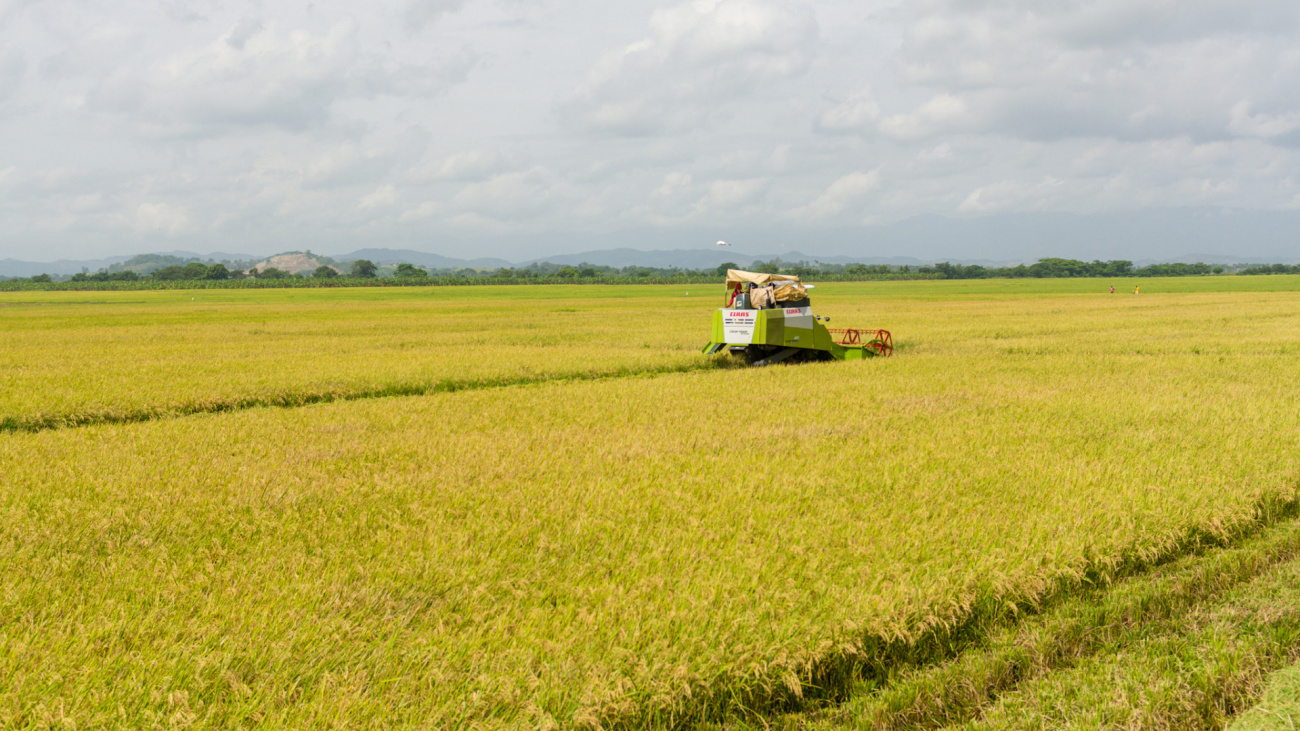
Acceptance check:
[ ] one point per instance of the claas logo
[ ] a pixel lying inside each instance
(742, 314)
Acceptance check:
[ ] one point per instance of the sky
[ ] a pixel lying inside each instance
(519, 128)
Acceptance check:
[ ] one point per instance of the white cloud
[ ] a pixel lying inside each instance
(470, 165)
(421, 212)
(382, 197)
(943, 113)
(991, 198)
(857, 113)
(348, 165)
(673, 183)
(846, 192)
(1118, 23)
(158, 217)
(88, 202)
(12, 8)
(257, 74)
(12, 69)
(727, 194)
(1148, 70)
(939, 152)
(251, 75)
(478, 223)
(510, 196)
(699, 56)
(422, 13)
(336, 124)
(1262, 125)
(376, 75)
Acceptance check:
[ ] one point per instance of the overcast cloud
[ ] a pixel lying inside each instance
(519, 128)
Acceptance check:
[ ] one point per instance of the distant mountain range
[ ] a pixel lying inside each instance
(1148, 236)
(624, 257)
(18, 268)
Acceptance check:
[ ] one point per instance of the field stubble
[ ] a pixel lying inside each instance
(637, 551)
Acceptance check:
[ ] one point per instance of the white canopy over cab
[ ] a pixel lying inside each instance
(738, 277)
(768, 289)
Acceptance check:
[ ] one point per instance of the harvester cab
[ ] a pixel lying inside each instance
(768, 318)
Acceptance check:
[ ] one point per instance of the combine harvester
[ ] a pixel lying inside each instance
(768, 319)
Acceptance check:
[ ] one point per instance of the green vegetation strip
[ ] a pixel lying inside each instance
(196, 275)
(1278, 708)
(1192, 672)
(306, 397)
(1095, 618)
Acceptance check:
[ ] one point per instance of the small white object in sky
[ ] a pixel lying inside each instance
(722, 243)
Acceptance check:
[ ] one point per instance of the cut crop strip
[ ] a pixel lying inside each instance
(307, 397)
(912, 663)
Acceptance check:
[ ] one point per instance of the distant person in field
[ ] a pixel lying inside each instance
(1136, 290)
(1112, 289)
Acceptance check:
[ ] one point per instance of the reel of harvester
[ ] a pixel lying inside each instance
(769, 319)
(880, 341)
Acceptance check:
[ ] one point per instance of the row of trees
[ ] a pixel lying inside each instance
(594, 271)
(171, 273)
(1272, 269)
(197, 271)
(546, 271)
(1068, 268)
(1054, 268)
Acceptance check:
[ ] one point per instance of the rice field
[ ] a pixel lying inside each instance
(89, 357)
(545, 509)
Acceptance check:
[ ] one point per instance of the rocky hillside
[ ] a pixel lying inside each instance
(296, 261)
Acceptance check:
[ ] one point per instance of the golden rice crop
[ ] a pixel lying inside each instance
(87, 357)
(638, 550)
(82, 357)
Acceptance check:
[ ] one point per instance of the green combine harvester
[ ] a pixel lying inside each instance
(768, 319)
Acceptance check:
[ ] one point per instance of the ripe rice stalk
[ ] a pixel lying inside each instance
(629, 551)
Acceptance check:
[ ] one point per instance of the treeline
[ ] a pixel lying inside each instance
(366, 273)
(344, 281)
(1070, 268)
(585, 271)
(362, 272)
(1272, 269)
(198, 271)
(171, 273)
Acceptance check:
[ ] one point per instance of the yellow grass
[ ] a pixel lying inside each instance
(77, 357)
(629, 550)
